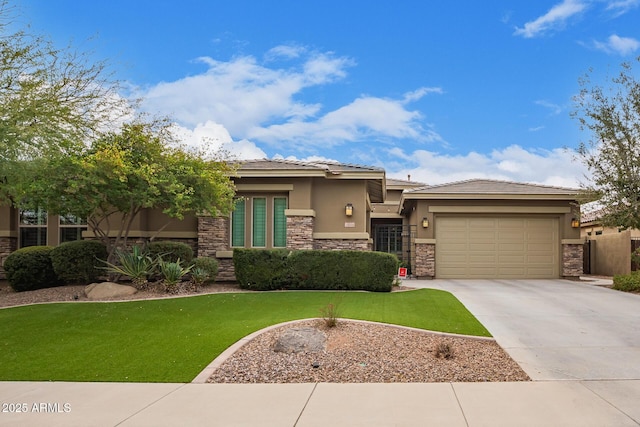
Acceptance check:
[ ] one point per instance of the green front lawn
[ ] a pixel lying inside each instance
(172, 340)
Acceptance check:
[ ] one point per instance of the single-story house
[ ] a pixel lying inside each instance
(469, 229)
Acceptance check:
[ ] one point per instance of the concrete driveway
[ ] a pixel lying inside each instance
(556, 329)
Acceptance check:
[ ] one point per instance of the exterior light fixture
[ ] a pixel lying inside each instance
(575, 223)
(425, 223)
(348, 210)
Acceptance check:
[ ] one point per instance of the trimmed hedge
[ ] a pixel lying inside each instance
(627, 282)
(261, 269)
(171, 251)
(30, 268)
(315, 269)
(79, 262)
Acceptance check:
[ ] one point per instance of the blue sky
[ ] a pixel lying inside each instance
(441, 91)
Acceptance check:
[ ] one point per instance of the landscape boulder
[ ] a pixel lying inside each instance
(107, 290)
(295, 340)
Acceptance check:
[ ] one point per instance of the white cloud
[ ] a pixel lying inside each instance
(212, 138)
(241, 93)
(620, 7)
(621, 45)
(547, 167)
(258, 102)
(555, 18)
(285, 51)
(554, 108)
(420, 93)
(364, 118)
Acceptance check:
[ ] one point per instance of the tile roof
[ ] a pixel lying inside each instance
(487, 186)
(404, 183)
(282, 164)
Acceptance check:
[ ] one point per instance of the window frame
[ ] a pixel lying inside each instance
(41, 226)
(269, 227)
(76, 223)
(236, 212)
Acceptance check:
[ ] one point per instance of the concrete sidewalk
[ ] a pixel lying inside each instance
(544, 403)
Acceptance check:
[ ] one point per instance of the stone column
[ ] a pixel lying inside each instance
(7, 245)
(213, 235)
(214, 241)
(300, 229)
(425, 258)
(572, 259)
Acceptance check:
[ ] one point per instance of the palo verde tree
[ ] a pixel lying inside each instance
(611, 116)
(52, 100)
(125, 172)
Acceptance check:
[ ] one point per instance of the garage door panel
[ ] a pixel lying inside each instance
(509, 247)
(497, 247)
(482, 247)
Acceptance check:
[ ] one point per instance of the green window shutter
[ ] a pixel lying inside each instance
(259, 222)
(279, 222)
(237, 224)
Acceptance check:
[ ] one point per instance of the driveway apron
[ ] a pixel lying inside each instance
(556, 329)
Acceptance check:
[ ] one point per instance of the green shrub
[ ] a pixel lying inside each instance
(627, 282)
(30, 268)
(346, 270)
(315, 269)
(79, 262)
(205, 270)
(170, 251)
(261, 269)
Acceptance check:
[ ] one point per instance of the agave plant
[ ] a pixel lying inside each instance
(172, 272)
(136, 265)
(199, 276)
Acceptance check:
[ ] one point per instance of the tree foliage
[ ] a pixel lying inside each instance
(52, 100)
(611, 115)
(125, 172)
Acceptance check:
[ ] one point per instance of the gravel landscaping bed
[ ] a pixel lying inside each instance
(362, 352)
(355, 352)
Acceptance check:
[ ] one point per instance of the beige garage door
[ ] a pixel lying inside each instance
(497, 247)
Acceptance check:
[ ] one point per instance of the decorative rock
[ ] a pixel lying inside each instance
(105, 290)
(295, 340)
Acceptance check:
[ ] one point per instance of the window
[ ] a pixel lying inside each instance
(71, 228)
(33, 228)
(279, 222)
(237, 224)
(259, 222)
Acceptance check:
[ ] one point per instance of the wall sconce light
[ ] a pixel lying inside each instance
(348, 210)
(575, 223)
(425, 223)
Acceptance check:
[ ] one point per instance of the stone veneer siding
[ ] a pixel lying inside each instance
(213, 236)
(425, 260)
(572, 260)
(7, 245)
(300, 232)
(342, 244)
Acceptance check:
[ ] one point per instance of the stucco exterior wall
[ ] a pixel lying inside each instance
(611, 254)
(329, 200)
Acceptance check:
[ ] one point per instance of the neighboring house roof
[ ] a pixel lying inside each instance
(401, 184)
(490, 189)
(376, 179)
